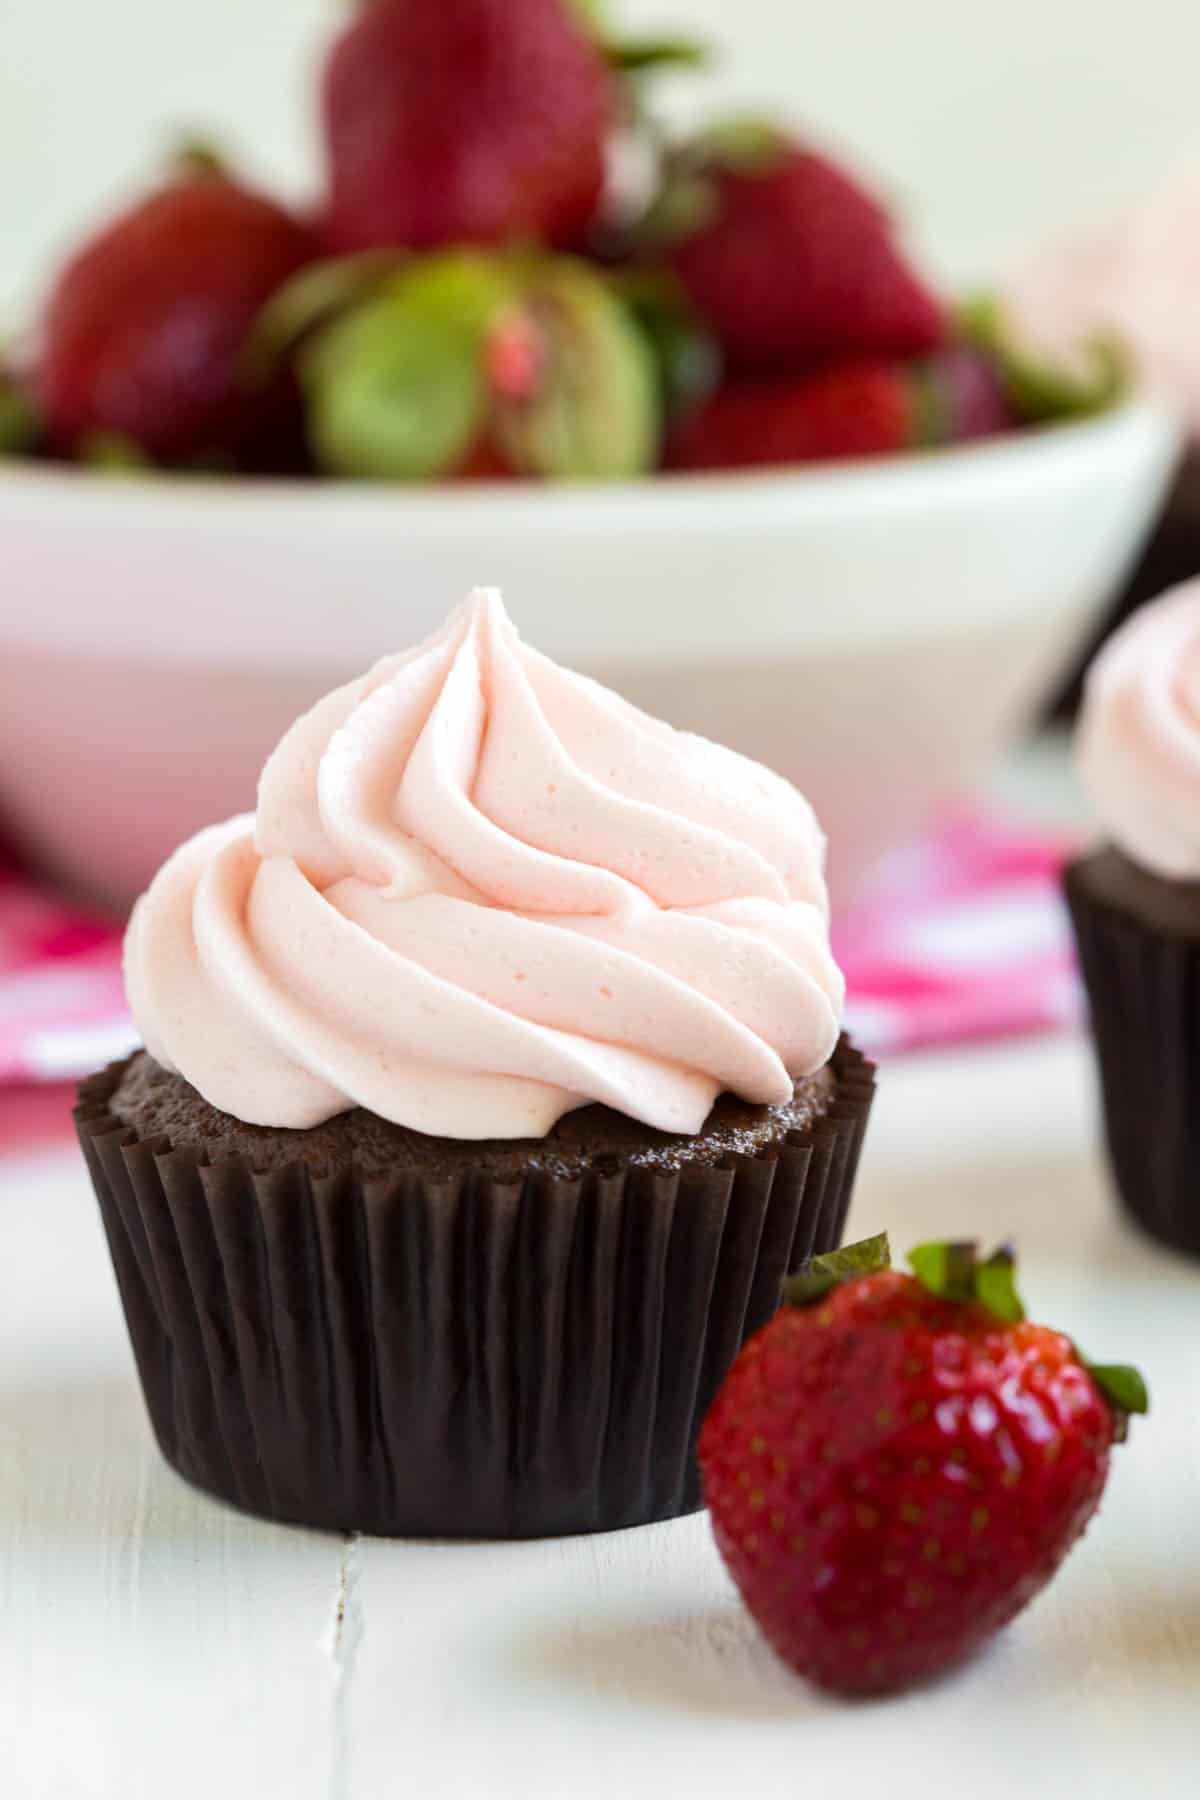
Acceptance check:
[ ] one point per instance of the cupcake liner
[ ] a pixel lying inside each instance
(453, 1358)
(1143, 988)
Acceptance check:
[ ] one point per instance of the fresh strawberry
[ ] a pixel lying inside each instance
(861, 408)
(897, 1464)
(144, 326)
(851, 409)
(465, 121)
(787, 257)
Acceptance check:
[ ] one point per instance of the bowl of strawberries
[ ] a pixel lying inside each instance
(687, 397)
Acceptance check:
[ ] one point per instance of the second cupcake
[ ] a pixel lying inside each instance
(1135, 903)
(492, 1085)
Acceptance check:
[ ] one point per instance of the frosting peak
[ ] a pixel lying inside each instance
(480, 891)
(1139, 735)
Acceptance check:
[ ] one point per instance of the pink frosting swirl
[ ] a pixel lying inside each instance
(1139, 735)
(480, 891)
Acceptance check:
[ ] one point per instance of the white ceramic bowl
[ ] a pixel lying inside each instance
(871, 630)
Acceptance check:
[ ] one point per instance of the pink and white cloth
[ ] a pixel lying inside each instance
(62, 1001)
(963, 938)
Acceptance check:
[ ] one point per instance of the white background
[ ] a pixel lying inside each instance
(993, 122)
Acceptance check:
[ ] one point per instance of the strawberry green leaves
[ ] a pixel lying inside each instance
(996, 1286)
(1122, 1386)
(946, 1269)
(688, 199)
(824, 1273)
(954, 1271)
(1096, 377)
(638, 56)
(641, 56)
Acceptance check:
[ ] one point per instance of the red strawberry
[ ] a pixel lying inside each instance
(862, 408)
(484, 463)
(962, 393)
(791, 260)
(144, 326)
(465, 121)
(852, 409)
(896, 1465)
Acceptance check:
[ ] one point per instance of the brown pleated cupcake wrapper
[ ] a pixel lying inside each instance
(1143, 989)
(453, 1358)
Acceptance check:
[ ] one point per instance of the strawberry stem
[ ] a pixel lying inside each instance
(946, 1269)
(996, 1285)
(953, 1271)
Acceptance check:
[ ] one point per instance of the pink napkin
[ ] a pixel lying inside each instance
(62, 1003)
(964, 937)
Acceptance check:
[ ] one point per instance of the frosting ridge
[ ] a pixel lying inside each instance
(480, 891)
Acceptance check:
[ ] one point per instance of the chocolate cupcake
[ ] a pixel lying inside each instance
(492, 1086)
(1135, 903)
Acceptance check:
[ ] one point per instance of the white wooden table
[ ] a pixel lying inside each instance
(153, 1643)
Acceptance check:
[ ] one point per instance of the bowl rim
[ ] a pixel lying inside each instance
(904, 476)
(355, 560)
